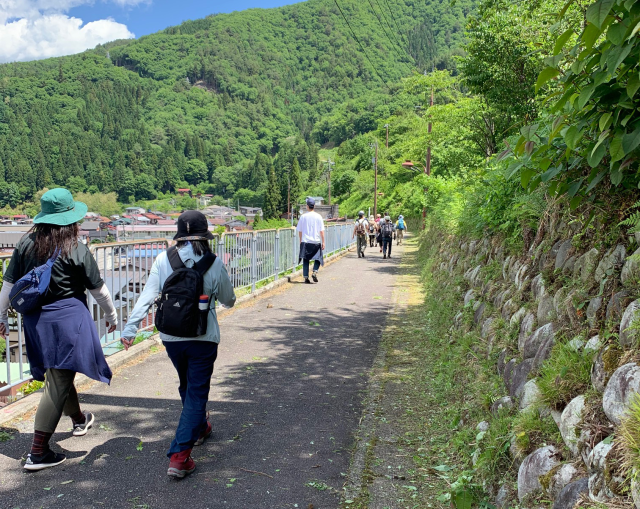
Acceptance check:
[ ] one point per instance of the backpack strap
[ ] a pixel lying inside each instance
(205, 263)
(53, 258)
(174, 258)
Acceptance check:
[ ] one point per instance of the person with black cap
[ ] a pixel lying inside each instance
(191, 352)
(311, 232)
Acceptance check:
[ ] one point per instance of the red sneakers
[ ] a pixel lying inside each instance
(206, 433)
(181, 464)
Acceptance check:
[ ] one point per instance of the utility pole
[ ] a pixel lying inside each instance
(387, 141)
(375, 187)
(329, 164)
(289, 198)
(427, 168)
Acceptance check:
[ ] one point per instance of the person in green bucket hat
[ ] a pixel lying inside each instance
(61, 337)
(59, 208)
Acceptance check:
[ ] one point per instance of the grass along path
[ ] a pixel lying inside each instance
(434, 388)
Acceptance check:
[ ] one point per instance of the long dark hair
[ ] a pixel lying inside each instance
(49, 237)
(200, 247)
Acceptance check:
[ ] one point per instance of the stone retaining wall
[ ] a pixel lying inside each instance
(585, 298)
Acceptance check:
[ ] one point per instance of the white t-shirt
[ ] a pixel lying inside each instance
(311, 224)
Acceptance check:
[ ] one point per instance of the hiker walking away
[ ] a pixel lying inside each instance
(386, 231)
(189, 279)
(360, 229)
(311, 233)
(401, 227)
(378, 234)
(372, 231)
(60, 334)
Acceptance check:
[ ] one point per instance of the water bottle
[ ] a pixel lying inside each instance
(203, 306)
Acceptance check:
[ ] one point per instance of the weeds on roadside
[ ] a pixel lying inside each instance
(565, 375)
(532, 431)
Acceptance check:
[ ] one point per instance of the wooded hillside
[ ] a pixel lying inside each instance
(194, 104)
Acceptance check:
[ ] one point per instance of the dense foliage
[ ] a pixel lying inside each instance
(198, 104)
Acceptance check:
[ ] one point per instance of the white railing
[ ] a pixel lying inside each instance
(252, 259)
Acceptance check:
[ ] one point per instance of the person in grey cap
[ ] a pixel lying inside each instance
(386, 231)
(311, 232)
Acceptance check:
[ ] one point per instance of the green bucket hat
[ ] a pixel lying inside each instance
(58, 208)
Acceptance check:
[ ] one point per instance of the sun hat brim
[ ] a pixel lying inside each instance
(206, 236)
(63, 218)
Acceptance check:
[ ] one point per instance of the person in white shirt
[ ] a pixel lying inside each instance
(311, 233)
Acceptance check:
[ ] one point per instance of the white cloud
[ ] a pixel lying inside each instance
(55, 35)
(34, 29)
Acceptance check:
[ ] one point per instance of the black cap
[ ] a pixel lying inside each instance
(193, 225)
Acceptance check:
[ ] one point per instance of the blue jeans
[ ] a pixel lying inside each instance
(305, 267)
(386, 245)
(193, 361)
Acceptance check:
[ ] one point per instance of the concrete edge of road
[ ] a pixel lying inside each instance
(23, 406)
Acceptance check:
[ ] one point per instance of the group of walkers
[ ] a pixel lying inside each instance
(379, 231)
(50, 270)
(47, 279)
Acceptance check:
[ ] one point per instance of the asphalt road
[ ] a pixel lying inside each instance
(285, 402)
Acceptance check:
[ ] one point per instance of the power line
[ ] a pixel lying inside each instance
(385, 30)
(405, 51)
(361, 46)
(397, 26)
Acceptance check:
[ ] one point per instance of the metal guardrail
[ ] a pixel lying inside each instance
(252, 259)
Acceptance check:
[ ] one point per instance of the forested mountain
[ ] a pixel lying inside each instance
(197, 103)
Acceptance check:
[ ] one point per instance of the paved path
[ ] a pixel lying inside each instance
(286, 399)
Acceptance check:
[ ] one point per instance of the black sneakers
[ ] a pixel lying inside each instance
(315, 276)
(307, 282)
(81, 429)
(50, 459)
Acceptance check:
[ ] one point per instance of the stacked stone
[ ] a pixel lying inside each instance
(543, 472)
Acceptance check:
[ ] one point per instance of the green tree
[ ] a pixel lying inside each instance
(272, 196)
(197, 172)
(76, 184)
(296, 182)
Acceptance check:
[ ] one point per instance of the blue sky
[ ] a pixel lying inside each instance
(143, 19)
(35, 29)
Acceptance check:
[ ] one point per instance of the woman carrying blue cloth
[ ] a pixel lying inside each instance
(61, 337)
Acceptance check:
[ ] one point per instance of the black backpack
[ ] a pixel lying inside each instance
(178, 312)
(387, 230)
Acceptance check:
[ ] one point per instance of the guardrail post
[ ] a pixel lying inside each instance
(276, 256)
(254, 261)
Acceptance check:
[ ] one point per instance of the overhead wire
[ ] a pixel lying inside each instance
(405, 51)
(361, 46)
(404, 39)
(400, 54)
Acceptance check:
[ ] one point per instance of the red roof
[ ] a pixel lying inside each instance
(151, 216)
(217, 220)
(20, 216)
(165, 222)
(184, 190)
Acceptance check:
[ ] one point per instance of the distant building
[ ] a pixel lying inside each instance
(132, 211)
(10, 239)
(326, 211)
(184, 191)
(153, 218)
(235, 225)
(251, 212)
(219, 211)
(204, 199)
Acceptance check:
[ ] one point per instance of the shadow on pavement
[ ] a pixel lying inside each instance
(283, 411)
